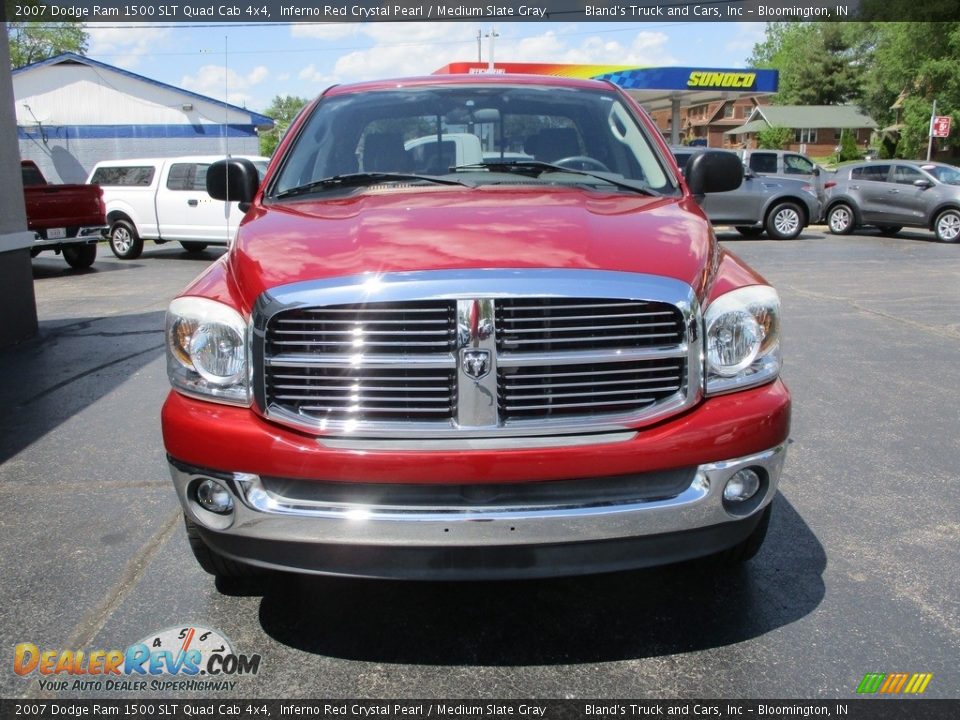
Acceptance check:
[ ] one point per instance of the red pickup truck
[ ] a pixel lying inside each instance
(67, 219)
(538, 364)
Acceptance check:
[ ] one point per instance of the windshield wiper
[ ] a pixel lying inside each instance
(535, 168)
(360, 179)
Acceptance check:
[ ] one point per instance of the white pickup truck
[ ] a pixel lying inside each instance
(165, 199)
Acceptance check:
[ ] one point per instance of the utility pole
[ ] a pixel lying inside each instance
(479, 53)
(492, 34)
(933, 114)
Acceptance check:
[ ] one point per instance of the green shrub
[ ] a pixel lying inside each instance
(774, 137)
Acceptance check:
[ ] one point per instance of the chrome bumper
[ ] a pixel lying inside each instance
(263, 517)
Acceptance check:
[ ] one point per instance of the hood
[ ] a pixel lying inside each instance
(397, 229)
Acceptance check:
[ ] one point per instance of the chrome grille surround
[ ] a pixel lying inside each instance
(481, 365)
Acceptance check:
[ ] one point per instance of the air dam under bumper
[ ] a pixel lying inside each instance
(550, 535)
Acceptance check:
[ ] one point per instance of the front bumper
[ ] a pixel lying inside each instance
(427, 510)
(317, 528)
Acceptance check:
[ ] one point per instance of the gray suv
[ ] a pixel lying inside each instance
(892, 194)
(779, 206)
(786, 163)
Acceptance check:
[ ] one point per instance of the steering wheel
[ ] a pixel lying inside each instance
(585, 162)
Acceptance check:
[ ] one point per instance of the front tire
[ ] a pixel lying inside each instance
(947, 226)
(747, 548)
(212, 562)
(841, 219)
(194, 247)
(80, 257)
(125, 241)
(785, 221)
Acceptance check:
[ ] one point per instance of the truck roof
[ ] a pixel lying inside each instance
(184, 158)
(477, 79)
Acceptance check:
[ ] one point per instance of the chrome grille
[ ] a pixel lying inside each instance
(310, 372)
(473, 354)
(566, 324)
(588, 389)
(364, 395)
(377, 328)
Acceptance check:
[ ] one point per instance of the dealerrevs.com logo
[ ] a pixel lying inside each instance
(178, 659)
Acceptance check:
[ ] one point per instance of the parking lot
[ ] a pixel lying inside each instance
(858, 574)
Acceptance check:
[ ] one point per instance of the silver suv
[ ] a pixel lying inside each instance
(892, 194)
(786, 163)
(779, 206)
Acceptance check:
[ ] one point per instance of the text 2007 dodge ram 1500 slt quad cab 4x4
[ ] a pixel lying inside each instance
(518, 367)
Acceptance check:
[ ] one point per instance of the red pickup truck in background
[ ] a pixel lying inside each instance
(68, 219)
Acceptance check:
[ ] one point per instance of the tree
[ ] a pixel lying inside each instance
(33, 42)
(848, 146)
(819, 63)
(917, 64)
(775, 137)
(893, 71)
(283, 110)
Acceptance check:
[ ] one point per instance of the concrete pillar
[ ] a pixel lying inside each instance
(675, 120)
(18, 320)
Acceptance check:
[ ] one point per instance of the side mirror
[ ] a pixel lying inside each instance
(816, 171)
(233, 179)
(923, 183)
(713, 172)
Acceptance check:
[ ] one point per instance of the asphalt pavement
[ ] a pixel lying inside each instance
(859, 572)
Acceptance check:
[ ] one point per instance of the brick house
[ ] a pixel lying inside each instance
(816, 128)
(706, 123)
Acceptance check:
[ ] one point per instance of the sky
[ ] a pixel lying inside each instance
(253, 64)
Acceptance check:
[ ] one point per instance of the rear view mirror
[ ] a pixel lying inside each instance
(233, 179)
(713, 171)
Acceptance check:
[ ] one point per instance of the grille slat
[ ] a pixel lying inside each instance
(565, 406)
(600, 383)
(330, 321)
(595, 317)
(377, 410)
(588, 339)
(363, 333)
(362, 388)
(602, 393)
(365, 344)
(364, 402)
(592, 373)
(564, 303)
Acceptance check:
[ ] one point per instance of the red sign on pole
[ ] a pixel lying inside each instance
(940, 126)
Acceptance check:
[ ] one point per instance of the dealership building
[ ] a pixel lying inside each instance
(72, 112)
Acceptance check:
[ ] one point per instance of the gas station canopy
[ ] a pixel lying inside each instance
(655, 88)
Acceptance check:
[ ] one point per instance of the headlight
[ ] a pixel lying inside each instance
(742, 339)
(207, 350)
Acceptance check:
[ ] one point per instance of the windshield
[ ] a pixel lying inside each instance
(483, 134)
(944, 173)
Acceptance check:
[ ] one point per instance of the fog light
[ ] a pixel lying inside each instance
(742, 486)
(214, 497)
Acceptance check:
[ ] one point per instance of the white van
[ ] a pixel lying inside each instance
(165, 199)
